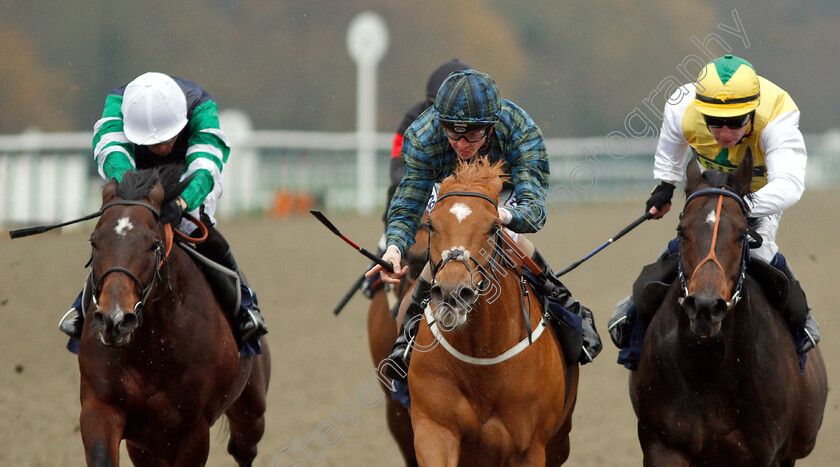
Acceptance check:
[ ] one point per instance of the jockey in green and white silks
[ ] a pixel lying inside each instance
(158, 120)
(773, 138)
(200, 143)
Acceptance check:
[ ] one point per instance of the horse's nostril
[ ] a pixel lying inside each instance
(128, 323)
(719, 309)
(466, 296)
(99, 319)
(436, 294)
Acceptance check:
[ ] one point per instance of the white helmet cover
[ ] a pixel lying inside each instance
(154, 109)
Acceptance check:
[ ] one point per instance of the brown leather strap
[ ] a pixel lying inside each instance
(201, 228)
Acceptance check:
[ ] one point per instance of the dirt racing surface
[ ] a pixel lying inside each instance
(322, 372)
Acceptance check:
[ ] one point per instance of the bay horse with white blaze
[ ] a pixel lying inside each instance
(488, 386)
(158, 360)
(719, 382)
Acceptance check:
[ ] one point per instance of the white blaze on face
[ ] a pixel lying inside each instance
(711, 218)
(123, 226)
(461, 211)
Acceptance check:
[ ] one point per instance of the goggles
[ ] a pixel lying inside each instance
(733, 123)
(471, 136)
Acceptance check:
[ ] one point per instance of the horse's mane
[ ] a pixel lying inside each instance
(138, 184)
(477, 175)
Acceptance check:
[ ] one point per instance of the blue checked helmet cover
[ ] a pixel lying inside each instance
(467, 100)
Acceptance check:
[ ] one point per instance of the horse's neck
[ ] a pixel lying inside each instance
(737, 345)
(497, 322)
(169, 306)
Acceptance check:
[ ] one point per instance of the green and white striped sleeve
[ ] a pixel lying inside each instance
(207, 153)
(112, 151)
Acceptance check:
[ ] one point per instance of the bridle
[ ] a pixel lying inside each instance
(497, 256)
(460, 256)
(712, 257)
(162, 250)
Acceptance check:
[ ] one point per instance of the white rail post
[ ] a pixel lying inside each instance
(367, 42)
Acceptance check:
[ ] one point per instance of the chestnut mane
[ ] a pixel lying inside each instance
(477, 175)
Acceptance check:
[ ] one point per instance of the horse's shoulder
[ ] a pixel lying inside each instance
(223, 281)
(772, 282)
(653, 284)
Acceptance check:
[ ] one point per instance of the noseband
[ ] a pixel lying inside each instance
(460, 255)
(161, 253)
(711, 257)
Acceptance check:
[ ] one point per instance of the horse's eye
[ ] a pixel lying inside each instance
(681, 234)
(431, 227)
(742, 236)
(156, 246)
(92, 244)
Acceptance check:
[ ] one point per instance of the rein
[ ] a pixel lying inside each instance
(712, 257)
(495, 259)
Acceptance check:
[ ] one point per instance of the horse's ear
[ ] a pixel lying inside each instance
(156, 195)
(693, 175)
(110, 190)
(742, 178)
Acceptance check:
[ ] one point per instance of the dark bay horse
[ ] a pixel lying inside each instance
(719, 381)
(158, 360)
(382, 332)
(488, 386)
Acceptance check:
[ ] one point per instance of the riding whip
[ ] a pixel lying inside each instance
(630, 227)
(318, 215)
(44, 228)
(347, 296)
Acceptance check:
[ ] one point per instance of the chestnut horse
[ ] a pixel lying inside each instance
(719, 382)
(488, 386)
(158, 360)
(382, 332)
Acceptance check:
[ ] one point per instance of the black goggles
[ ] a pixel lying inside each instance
(733, 123)
(472, 136)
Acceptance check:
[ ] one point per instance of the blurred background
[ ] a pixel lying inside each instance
(593, 75)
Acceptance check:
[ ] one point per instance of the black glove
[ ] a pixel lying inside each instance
(660, 196)
(171, 212)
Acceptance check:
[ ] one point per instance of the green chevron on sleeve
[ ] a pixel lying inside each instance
(206, 117)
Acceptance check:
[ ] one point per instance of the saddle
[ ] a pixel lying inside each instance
(782, 292)
(567, 325)
(224, 282)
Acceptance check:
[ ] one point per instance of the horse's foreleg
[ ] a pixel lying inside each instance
(247, 414)
(434, 444)
(657, 453)
(102, 428)
(194, 447)
(399, 424)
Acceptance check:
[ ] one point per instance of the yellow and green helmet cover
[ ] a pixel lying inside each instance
(727, 87)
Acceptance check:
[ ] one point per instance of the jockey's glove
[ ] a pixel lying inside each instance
(172, 211)
(660, 196)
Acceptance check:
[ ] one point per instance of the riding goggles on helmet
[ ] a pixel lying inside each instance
(472, 136)
(733, 123)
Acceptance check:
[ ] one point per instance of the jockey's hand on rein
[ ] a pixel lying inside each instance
(172, 211)
(660, 197)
